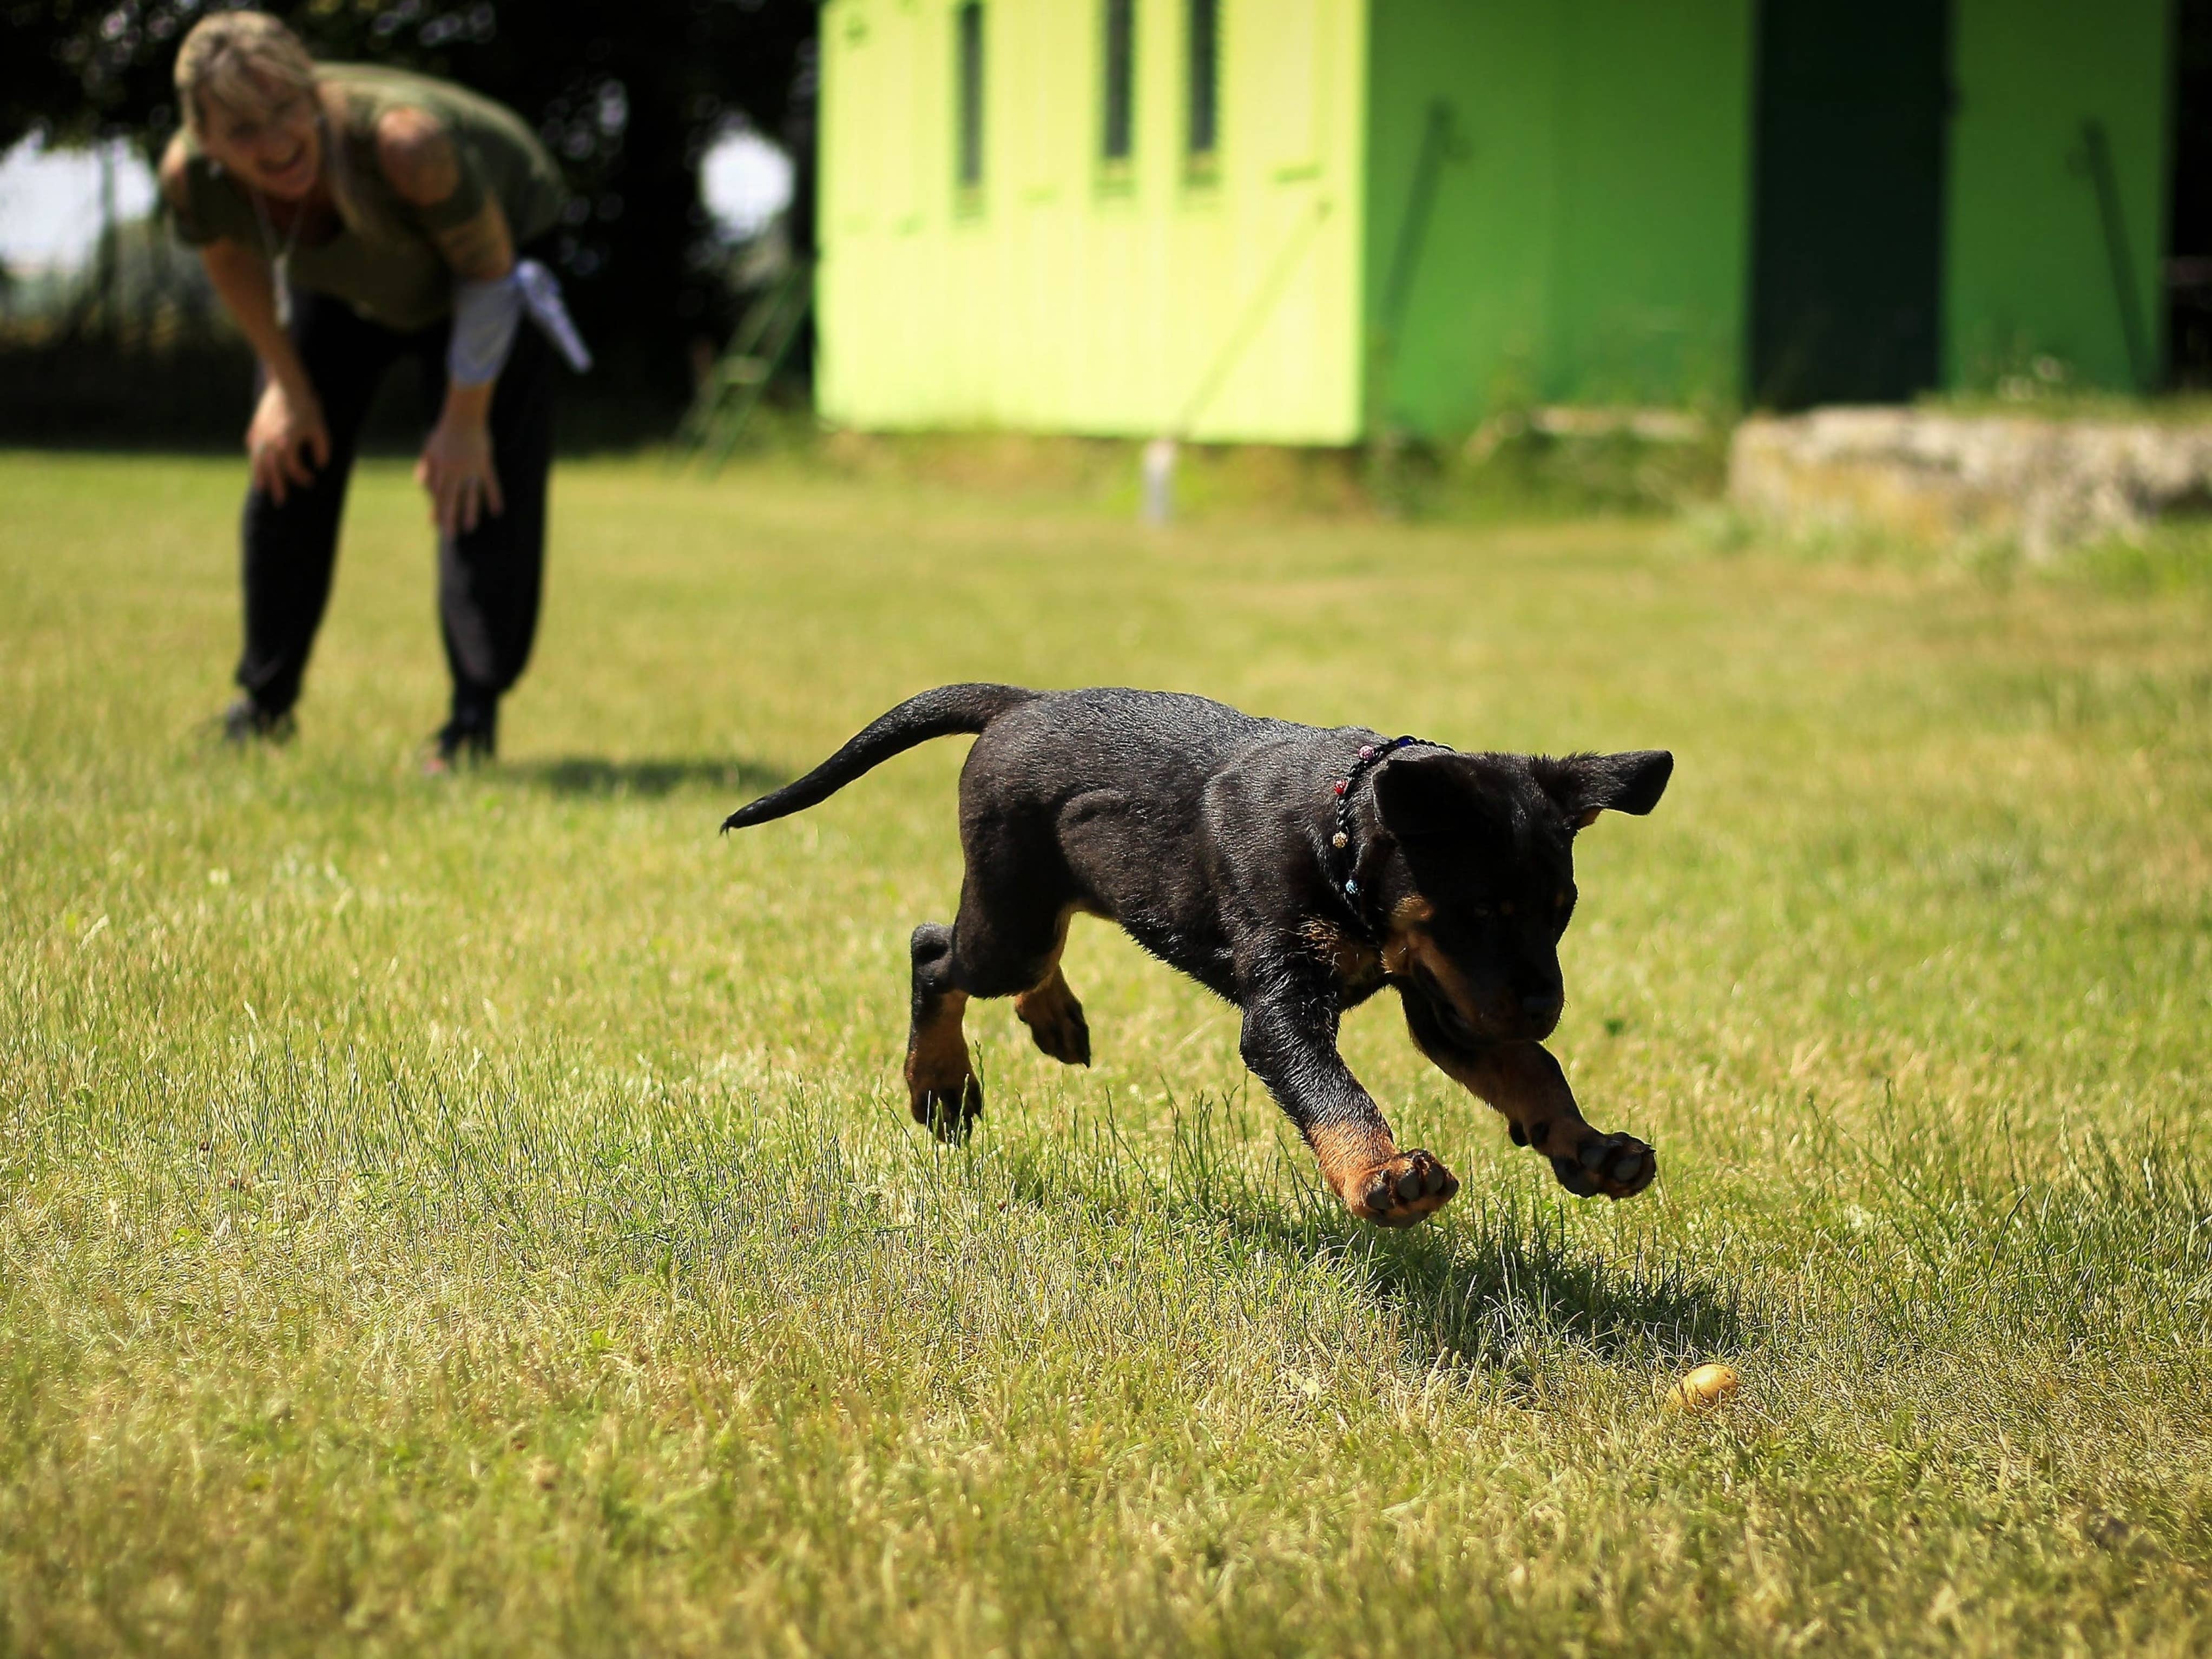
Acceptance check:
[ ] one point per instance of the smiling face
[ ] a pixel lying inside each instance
(271, 143)
(1486, 864)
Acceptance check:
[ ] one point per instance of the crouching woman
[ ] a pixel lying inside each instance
(349, 217)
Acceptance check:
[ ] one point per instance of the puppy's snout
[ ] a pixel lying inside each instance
(1542, 1010)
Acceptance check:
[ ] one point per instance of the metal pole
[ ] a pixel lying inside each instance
(1157, 470)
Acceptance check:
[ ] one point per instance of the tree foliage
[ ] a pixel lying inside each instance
(627, 97)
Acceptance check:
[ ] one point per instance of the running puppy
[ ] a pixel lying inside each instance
(1295, 871)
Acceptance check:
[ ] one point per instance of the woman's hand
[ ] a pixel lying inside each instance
(457, 470)
(287, 428)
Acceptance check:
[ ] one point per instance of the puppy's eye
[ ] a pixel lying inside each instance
(1507, 907)
(1561, 899)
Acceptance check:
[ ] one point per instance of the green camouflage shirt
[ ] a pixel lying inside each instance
(388, 268)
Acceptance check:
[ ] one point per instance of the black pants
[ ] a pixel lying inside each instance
(487, 578)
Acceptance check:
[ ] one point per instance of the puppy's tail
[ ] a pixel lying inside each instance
(944, 713)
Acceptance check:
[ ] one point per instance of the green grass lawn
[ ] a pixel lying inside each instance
(482, 1215)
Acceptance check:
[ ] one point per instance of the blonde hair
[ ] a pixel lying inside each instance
(246, 61)
(250, 61)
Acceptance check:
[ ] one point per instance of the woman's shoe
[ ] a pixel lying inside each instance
(245, 722)
(459, 743)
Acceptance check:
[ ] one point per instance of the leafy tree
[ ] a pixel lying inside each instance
(627, 97)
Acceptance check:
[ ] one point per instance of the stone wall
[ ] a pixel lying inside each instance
(2047, 484)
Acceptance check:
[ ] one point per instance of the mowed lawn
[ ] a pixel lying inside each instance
(483, 1216)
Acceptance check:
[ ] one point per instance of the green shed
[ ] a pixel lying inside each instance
(1312, 221)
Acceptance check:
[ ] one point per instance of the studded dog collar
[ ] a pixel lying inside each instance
(1343, 857)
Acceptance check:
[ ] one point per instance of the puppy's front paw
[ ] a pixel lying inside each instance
(1402, 1192)
(1619, 1166)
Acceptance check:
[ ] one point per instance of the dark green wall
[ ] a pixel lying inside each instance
(1585, 240)
(1656, 168)
(2028, 271)
(1589, 236)
(1467, 322)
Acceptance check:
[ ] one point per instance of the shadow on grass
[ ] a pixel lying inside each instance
(1506, 1279)
(1497, 1278)
(592, 775)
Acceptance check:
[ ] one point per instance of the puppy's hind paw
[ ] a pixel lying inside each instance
(1619, 1166)
(1055, 1020)
(950, 1112)
(1402, 1192)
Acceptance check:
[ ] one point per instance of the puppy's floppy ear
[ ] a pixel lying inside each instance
(1427, 797)
(1582, 785)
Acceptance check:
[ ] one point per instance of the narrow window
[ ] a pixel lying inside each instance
(970, 105)
(1121, 77)
(1202, 136)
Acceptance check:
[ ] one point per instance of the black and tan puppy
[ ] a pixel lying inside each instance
(1294, 870)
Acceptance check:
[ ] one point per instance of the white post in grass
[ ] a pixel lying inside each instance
(1157, 506)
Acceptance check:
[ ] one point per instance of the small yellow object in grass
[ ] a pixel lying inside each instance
(1702, 1388)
